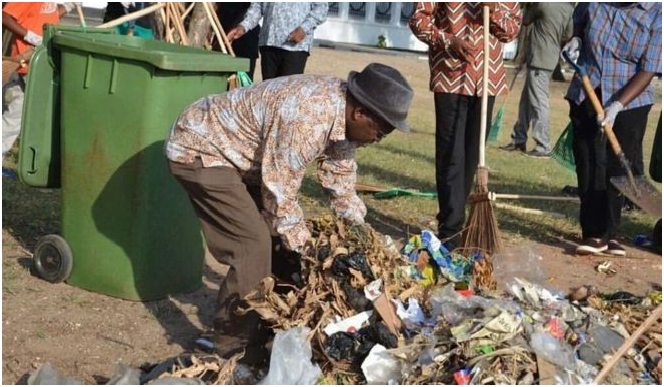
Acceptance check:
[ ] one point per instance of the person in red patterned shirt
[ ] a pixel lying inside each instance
(454, 33)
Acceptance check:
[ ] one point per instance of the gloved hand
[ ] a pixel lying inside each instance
(610, 113)
(32, 38)
(572, 48)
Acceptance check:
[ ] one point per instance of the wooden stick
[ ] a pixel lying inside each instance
(169, 32)
(530, 211)
(81, 18)
(133, 15)
(189, 9)
(221, 29)
(214, 27)
(178, 24)
(534, 197)
(657, 313)
(485, 86)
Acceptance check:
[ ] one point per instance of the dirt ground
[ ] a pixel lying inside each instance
(83, 334)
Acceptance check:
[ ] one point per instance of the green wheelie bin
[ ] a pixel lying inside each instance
(127, 228)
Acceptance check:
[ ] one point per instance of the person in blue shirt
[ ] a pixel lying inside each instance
(620, 45)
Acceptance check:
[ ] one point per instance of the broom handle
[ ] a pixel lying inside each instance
(534, 197)
(485, 86)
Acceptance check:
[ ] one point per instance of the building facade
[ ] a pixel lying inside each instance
(375, 24)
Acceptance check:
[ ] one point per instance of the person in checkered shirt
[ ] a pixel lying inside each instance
(620, 45)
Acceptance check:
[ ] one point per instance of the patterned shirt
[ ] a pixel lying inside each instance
(617, 42)
(437, 23)
(270, 132)
(280, 19)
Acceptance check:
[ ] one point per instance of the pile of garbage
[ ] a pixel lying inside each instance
(362, 311)
(427, 315)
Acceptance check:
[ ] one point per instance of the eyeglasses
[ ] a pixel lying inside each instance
(383, 127)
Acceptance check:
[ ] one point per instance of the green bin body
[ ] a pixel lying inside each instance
(130, 226)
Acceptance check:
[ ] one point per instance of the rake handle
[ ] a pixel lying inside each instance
(608, 129)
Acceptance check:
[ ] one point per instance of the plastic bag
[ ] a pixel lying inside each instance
(522, 262)
(176, 382)
(124, 375)
(381, 368)
(47, 375)
(455, 308)
(553, 350)
(290, 360)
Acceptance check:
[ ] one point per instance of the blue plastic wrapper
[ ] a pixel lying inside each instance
(454, 267)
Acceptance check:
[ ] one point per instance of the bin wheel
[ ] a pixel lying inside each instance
(53, 259)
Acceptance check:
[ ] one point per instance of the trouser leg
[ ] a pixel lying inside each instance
(237, 236)
(629, 128)
(293, 62)
(270, 62)
(539, 104)
(590, 158)
(520, 130)
(451, 115)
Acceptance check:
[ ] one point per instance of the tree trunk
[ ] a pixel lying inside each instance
(199, 26)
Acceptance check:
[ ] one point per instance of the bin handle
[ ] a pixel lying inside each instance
(33, 170)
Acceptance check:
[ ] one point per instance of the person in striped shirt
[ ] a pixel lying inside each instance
(454, 33)
(620, 45)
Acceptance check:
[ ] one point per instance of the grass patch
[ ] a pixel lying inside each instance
(400, 160)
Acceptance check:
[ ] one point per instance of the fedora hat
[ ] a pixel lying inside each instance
(383, 91)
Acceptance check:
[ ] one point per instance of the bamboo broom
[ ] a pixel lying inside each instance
(481, 231)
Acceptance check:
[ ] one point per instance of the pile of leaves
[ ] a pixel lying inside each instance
(346, 257)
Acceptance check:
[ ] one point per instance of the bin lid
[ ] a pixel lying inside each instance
(162, 55)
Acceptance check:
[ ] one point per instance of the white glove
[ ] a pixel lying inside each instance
(32, 38)
(610, 114)
(572, 48)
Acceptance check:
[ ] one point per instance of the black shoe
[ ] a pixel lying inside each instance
(591, 246)
(511, 147)
(614, 248)
(538, 154)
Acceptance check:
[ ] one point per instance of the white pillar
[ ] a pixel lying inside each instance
(371, 12)
(343, 11)
(396, 13)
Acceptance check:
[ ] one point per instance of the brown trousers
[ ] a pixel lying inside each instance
(236, 235)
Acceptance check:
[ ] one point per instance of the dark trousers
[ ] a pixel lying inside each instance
(601, 202)
(457, 155)
(236, 235)
(276, 62)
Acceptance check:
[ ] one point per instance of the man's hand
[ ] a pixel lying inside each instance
(610, 114)
(572, 48)
(236, 33)
(462, 50)
(32, 38)
(297, 35)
